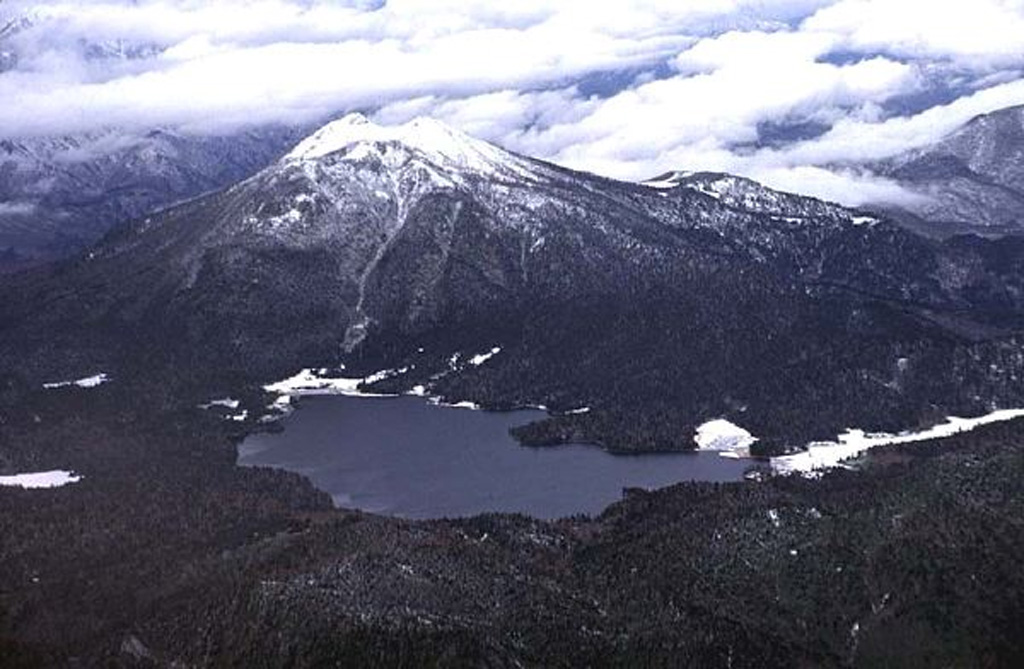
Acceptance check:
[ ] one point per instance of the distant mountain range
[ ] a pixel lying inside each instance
(970, 181)
(58, 195)
(659, 305)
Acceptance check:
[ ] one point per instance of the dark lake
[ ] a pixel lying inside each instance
(406, 457)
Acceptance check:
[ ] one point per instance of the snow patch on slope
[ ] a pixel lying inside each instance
(713, 189)
(51, 479)
(481, 358)
(227, 403)
(864, 220)
(87, 382)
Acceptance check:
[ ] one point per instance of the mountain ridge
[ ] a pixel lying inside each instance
(659, 307)
(61, 194)
(970, 181)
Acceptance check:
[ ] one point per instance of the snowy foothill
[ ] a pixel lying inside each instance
(50, 479)
(825, 455)
(721, 435)
(87, 382)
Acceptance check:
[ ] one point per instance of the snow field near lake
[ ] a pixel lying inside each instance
(825, 455)
(721, 435)
(732, 441)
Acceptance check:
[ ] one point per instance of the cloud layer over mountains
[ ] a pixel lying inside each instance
(784, 91)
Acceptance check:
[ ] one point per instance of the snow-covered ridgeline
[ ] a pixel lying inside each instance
(667, 180)
(51, 479)
(87, 382)
(715, 188)
(825, 455)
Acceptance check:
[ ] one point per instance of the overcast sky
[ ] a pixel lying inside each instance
(784, 91)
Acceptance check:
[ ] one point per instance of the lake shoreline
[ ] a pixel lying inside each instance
(408, 457)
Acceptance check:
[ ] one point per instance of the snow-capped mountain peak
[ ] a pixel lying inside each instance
(334, 136)
(438, 142)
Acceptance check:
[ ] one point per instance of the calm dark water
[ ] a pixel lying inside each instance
(405, 457)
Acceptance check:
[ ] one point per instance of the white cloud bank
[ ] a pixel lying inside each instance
(623, 90)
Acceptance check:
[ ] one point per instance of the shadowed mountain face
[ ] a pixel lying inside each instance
(659, 305)
(970, 181)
